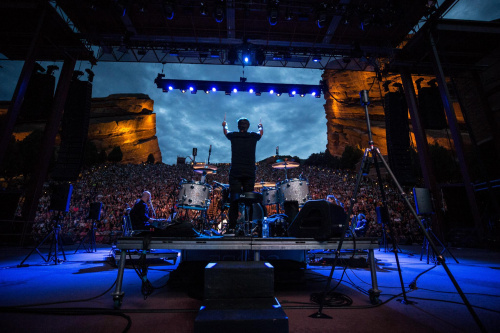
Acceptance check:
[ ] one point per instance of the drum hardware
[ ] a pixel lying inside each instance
(285, 165)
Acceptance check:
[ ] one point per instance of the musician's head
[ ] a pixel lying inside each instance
(243, 124)
(146, 196)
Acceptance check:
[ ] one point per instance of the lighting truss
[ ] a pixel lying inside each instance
(229, 87)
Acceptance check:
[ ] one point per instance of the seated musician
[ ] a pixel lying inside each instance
(139, 216)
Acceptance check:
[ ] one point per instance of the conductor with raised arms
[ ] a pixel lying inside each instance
(242, 173)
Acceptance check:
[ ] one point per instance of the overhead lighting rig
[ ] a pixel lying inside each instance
(229, 87)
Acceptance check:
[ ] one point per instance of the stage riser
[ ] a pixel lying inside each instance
(237, 280)
(238, 255)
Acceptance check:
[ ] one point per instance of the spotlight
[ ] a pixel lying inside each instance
(183, 90)
(271, 91)
(214, 54)
(207, 91)
(278, 94)
(203, 9)
(250, 91)
(316, 58)
(174, 53)
(235, 90)
(191, 88)
(313, 93)
(168, 9)
(214, 89)
(219, 13)
(302, 95)
(272, 15)
(291, 94)
(170, 88)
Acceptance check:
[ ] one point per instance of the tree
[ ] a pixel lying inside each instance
(115, 155)
(350, 157)
(151, 159)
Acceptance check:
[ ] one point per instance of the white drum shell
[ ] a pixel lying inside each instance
(194, 195)
(270, 196)
(293, 190)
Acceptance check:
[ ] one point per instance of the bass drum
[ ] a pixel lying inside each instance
(269, 196)
(293, 190)
(194, 195)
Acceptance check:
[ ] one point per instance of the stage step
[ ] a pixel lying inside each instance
(239, 279)
(250, 315)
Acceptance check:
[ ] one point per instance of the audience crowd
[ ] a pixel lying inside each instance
(117, 186)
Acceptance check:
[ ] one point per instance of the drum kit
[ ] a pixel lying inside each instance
(195, 195)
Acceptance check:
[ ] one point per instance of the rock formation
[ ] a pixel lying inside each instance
(124, 120)
(346, 121)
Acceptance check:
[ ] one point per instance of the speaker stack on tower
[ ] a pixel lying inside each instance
(75, 127)
(398, 137)
(39, 97)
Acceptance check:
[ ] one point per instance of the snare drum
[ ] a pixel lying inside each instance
(269, 196)
(293, 190)
(194, 195)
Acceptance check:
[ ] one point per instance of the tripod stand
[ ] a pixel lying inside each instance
(425, 244)
(90, 238)
(375, 153)
(56, 243)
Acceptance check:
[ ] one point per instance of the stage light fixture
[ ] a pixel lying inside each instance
(203, 9)
(235, 90)
(250, 91)
(316, 58)
(219, 13)
(170, 88)
(278, 94)
(207, 91)
(183, 90)
(214, 54)
(228, 93)
(214, 89)
(293, 93)
(313, 93)
(257, 93)
(174, 53)
(271, 91)
(302, 95)
(272, 14)
(168, 9)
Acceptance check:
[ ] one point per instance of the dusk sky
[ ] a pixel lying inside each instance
(297, 125)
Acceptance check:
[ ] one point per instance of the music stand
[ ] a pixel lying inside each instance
(94, 216)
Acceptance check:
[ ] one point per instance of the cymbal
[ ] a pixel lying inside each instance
(206, 171)
(204, 166)
(286, 165)
(264, 184)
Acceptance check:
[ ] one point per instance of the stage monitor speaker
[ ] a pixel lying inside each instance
(318, 219)
(95, 211)
(423, 201)
(60, 197)
(430, 107)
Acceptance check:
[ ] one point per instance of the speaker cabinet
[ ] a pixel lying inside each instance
(318, 219)
(60, 198)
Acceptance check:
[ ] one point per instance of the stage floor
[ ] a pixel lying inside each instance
(75, 295)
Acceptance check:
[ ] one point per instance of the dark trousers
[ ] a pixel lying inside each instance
(238, 185)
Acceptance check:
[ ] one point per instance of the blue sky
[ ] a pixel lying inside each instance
(297, 125)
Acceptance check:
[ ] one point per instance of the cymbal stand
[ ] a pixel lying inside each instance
(425, 244)
(90, 236)
(56, 243)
